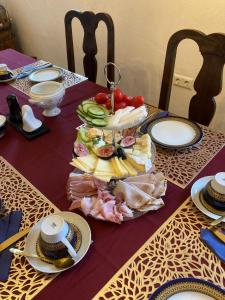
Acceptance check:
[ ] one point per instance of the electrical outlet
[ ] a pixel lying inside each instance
(183, 81)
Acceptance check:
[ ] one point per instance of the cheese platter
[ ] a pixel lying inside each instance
(114, 178)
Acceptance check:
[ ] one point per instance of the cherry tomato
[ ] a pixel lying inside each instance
(101, 98)
(126, 99)
(138, 101)
(108, 104)
(118, 95)
(120, 105)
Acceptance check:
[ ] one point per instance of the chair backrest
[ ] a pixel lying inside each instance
(90, 22)
(208, 82)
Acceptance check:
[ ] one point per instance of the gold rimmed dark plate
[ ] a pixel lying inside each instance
(188, 288)
(174, 132)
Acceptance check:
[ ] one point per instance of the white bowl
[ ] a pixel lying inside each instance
(47, 95)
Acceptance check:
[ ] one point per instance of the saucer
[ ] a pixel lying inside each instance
(8, 80)
(32, 238)
(196, 198)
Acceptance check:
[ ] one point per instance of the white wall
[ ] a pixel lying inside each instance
(142, 30)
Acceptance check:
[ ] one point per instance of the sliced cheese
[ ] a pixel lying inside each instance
(104, 166)
(137, 162)
(128, 150)
(89, 161)
(103, 178)
(78, 165)
(128, 167)
(104, 173)
(120, 168)
(116, 171)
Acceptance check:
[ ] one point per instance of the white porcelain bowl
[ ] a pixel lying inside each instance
(47, 95)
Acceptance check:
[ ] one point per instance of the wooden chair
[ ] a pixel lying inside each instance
(208, 82)
(90, 22)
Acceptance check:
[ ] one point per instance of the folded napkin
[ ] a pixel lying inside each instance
(27, 70)
(9, 225)
(159, 115)
(214, 243)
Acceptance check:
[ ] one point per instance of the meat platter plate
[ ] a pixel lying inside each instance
(116, 201)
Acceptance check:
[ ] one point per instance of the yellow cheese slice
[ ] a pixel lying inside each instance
(116, 171)
(78, 165)
(128, 166)
(104, 166)
(103, 178)
(121, 169)
(89, 161)
(104, 173)
(140, 166)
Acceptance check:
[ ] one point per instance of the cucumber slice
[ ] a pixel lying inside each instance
(81, 113)
(96, 116)
(80, 108)
(86, 106)
(87, 118)
(99, 122)
(96, 110)
(106, 111)
(88, 101)
(83, 135)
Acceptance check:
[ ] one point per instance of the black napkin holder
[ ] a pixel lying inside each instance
(14, 118)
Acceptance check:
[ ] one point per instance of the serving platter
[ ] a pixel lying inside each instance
(175, 132)
(188, 289)
(47, 74)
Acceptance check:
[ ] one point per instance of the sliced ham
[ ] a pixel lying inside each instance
(87, 205)
(75, 204)
(125, 210)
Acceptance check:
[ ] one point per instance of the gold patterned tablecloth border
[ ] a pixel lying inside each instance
(174, 250)
(18, 193)
(24, 84)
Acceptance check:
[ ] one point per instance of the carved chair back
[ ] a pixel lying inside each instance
(208, 82)
(90, 22)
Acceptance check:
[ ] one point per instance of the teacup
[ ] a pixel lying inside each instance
(57, 237)
(214, 192)
(3, 123)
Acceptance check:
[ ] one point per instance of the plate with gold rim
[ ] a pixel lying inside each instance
(188, 288)
(175, 132)
(197, 198)
(33, 236)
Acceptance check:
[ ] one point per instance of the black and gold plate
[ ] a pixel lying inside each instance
(188, 288)
(174, 132)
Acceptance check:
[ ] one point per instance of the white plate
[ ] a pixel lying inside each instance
(30, 245)
(195, 195)
(174, 132)
(188, 289)
(45, 74)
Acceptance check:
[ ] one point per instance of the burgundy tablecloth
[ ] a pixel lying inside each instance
(45, 163)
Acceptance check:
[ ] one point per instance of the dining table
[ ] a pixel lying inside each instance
(115, 265)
